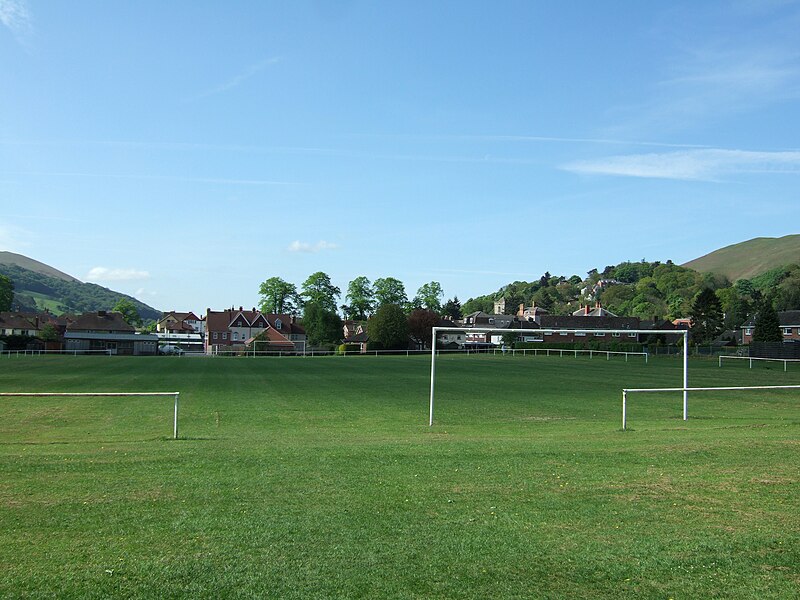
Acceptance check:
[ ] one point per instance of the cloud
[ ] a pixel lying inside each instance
(14, 14)
(702, 165)
(103, 274)
(298, 246)
(238, 79)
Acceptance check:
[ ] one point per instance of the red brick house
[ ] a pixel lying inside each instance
(790, 326)
(231, 328)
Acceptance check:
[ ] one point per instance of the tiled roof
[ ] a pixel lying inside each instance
(571, 322)
(100, 321)
(9, 320)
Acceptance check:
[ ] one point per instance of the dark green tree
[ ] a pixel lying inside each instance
(322, 326)
(706, 317)
(318, 289)
(278, 297)
(389, 327)
(360, 299)
(129, 312)
(768, 326)
(6, 293)
(452, 308)
(48, 333)
(389, 290)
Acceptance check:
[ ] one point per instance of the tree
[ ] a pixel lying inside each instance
(452, 308)
(768, 326)
(278, 297)
(318, 289)
(389, 290)
(389, 327)
(706, 316)
(360, 298)
(429, 296)
(6, 293)
(322, 326)
(129, 312)
(420, 325)
(48, 333)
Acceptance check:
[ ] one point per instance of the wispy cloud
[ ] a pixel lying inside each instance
(298, 246)
(726, 63)
(104, 274)
(238, 79)
(702, 165)
(14, 14)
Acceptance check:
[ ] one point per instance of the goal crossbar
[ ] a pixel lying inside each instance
(101, 394)
(626, 391)
(682, 332)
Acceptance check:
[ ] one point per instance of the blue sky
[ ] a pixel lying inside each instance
(183, 152)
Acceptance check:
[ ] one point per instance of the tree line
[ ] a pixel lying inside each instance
(384, 303)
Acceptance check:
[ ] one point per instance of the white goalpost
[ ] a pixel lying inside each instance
(683, 332)
(101, 394)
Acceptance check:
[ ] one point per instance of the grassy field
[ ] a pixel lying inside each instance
(319, 478)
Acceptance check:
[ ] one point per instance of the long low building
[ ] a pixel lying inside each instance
(107, 332)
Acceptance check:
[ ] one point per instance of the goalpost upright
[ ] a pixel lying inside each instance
(683, 332)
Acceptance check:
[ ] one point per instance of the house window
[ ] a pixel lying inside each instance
(580, 334)
(563, 333)
(787, 331)
(632, 335)
(225, 336)
(599, 335)
(277, 323)
(748, 331)
(235, 336)
(491, 321)
(616, 334)
(215, 335)
(238, 323)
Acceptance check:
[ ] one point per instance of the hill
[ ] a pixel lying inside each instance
(751, 258)
(38, 286)
(9, 258)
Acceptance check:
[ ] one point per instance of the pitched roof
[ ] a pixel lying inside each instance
(571, 322)
(9, 320)
(786, 318)
(102, 321)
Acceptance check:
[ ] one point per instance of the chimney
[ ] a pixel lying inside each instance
(586, 310)
(240, 309)
(521, 310)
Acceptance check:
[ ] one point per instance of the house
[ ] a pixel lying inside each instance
(12, 323)
(180, 321)
(230, 328)
(789, 321)
(103, 331)
(531, 313)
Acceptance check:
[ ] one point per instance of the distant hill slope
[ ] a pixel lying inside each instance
(38, 286)
(9, 258)
(750, 258)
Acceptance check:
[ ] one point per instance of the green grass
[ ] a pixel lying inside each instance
(319, 478)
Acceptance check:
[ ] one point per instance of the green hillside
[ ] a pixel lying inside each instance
(40, 287)
(751, 258)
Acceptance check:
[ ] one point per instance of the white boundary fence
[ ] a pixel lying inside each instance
(785, 361)
(100, 394)
(684, 332)
(625, 393)
(561, 351)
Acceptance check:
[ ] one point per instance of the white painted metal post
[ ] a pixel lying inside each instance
(624, 403)
(175, 425)
(686, 375)
(433, 375)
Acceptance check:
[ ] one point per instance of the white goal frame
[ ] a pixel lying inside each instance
(96, 394)
(625, 393)
(684, 332)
